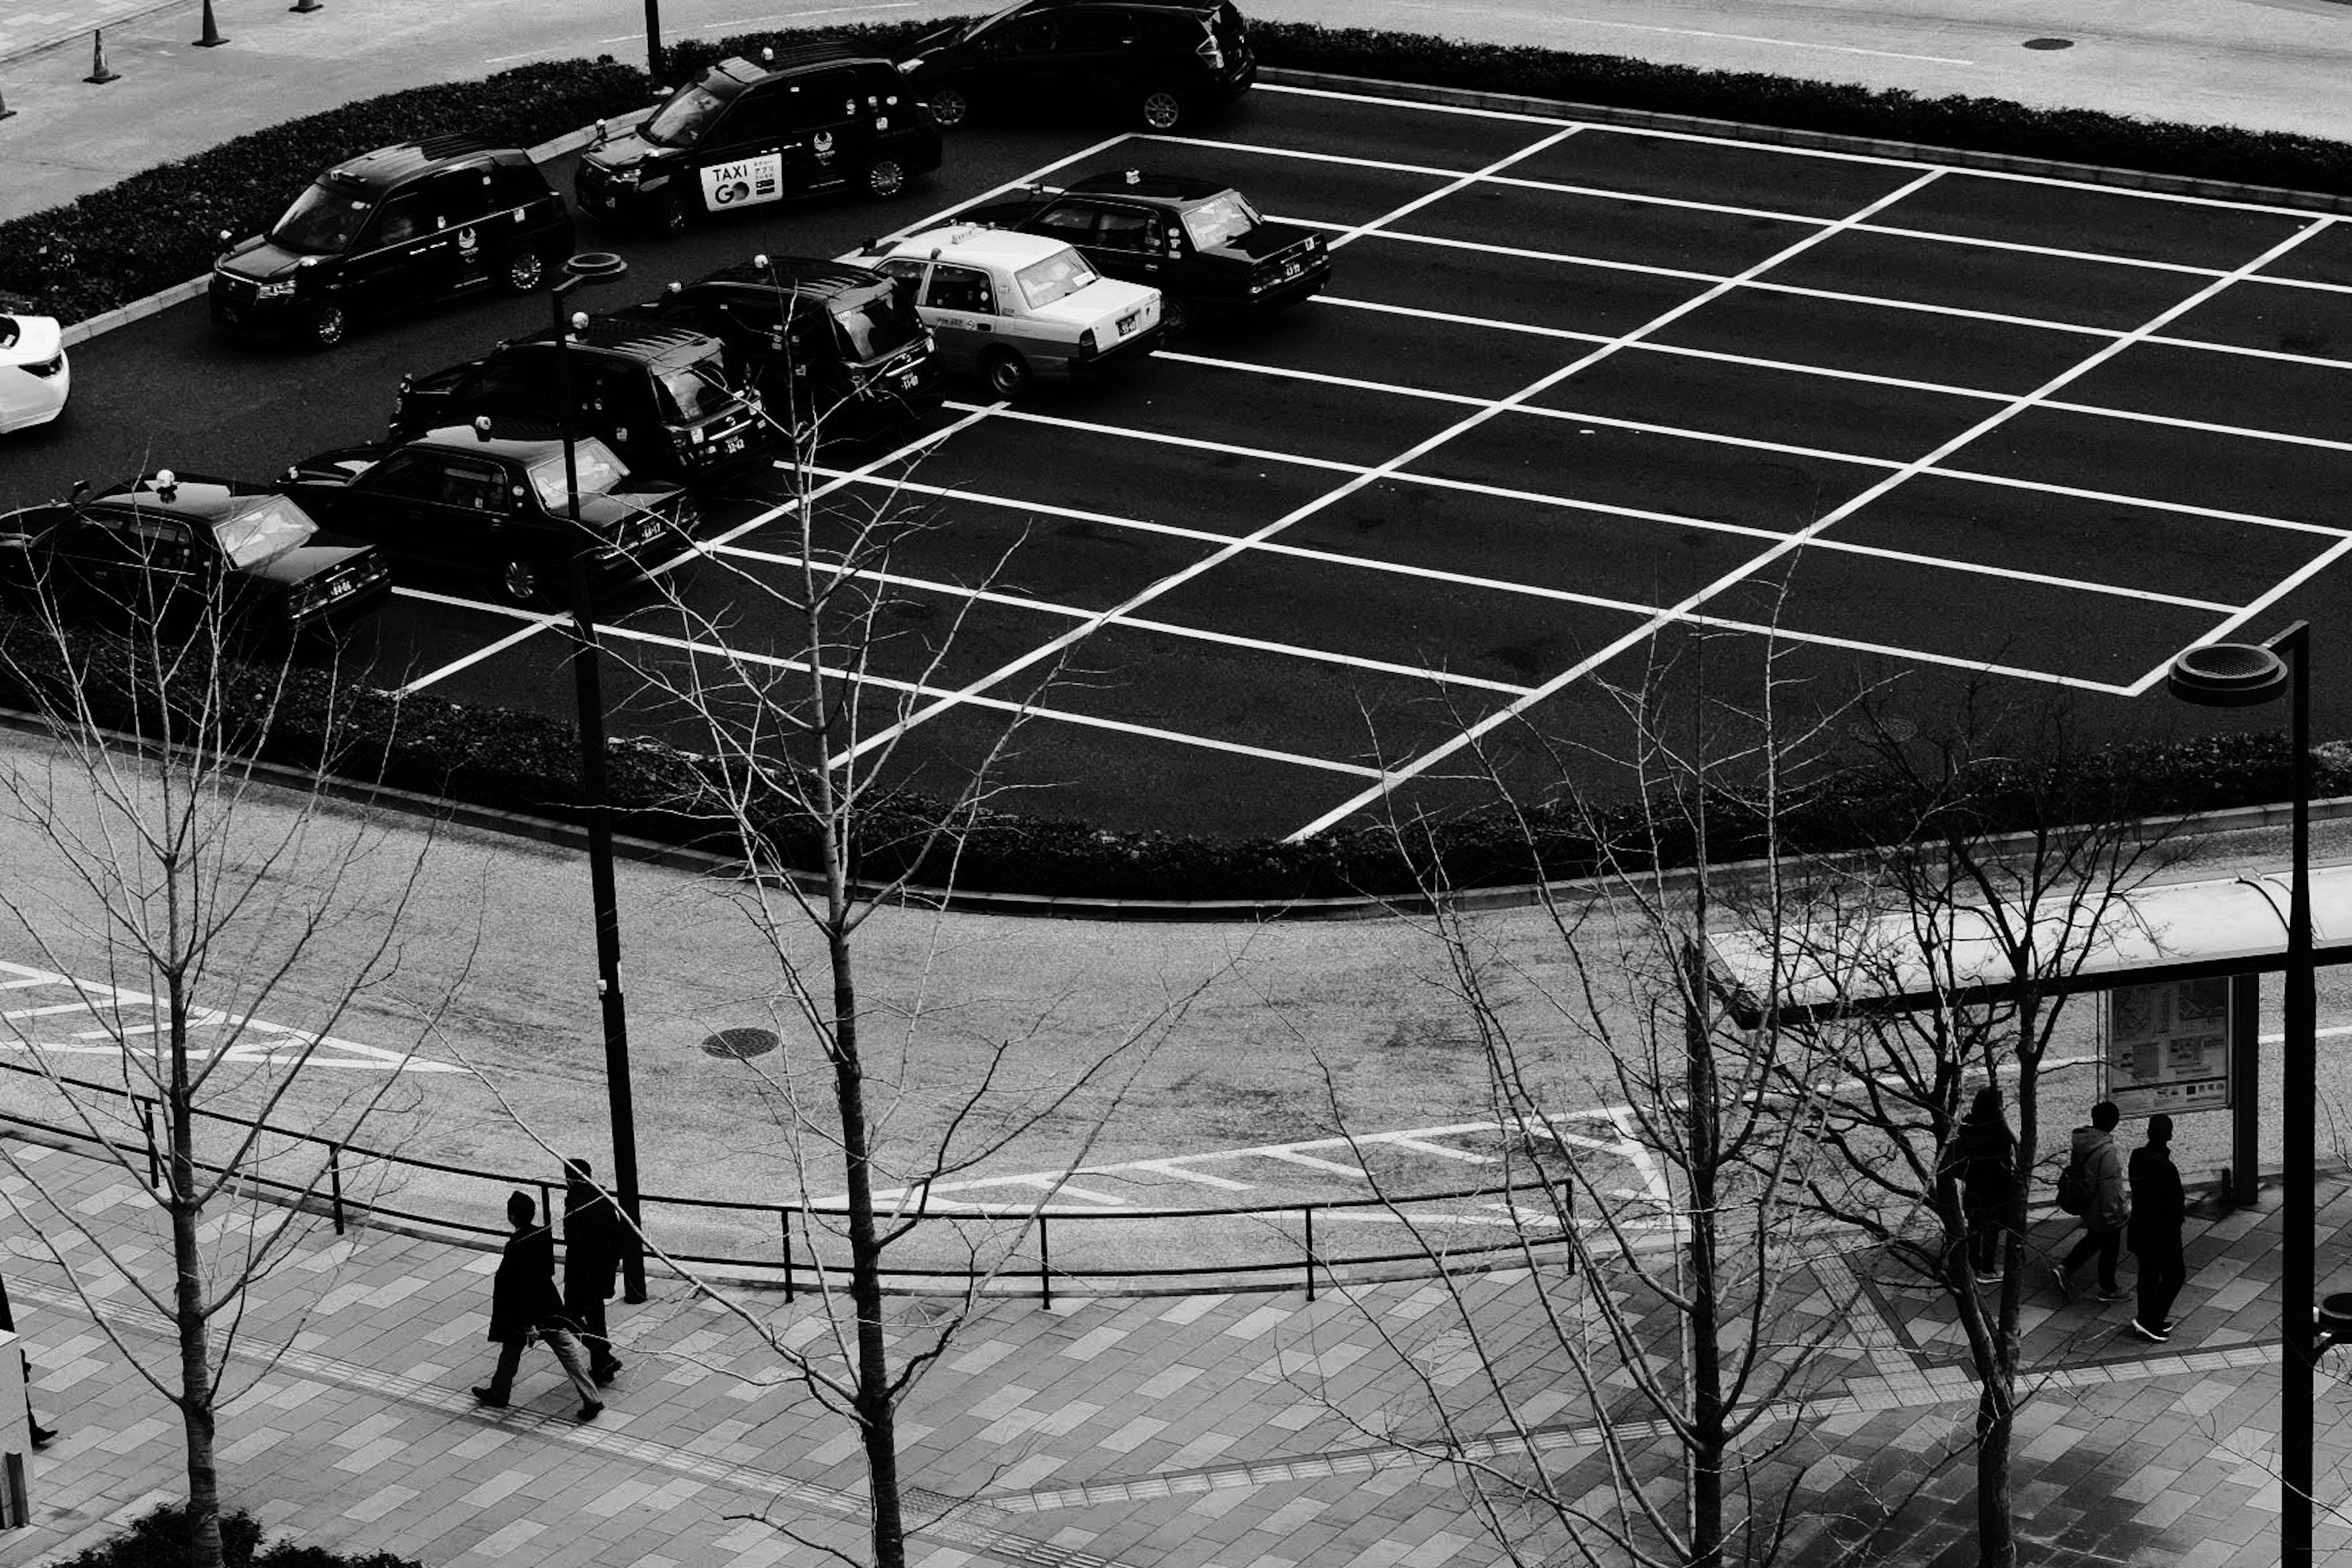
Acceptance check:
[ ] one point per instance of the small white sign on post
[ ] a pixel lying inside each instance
(2168, 1047)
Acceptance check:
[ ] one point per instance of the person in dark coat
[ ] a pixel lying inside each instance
(2102, 1226)
(42, 1435)
(523, 1302)
(1982, 1159)
(592, 1256)
(2159, 1208)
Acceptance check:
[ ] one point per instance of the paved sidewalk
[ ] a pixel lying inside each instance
(1246, 1431)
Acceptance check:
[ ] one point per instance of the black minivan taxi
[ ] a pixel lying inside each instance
(822, 117)
(395, 228)
(660, 396)
(834, 349)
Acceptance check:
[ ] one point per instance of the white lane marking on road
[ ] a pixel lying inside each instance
(1312, 1161)
(1397, 776)
(251, 1040)
(1421, 1146)
(1176, 1167)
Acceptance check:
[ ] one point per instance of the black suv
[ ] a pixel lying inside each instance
(660, 396)
(818, 118)
(397, 227)
(1200, 243)
(835, 348)
(495, 503)
(164, 550)
(1153, 61)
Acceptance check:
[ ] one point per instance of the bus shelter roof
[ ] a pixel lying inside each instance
(2174, 930)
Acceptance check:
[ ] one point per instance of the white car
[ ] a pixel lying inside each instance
(1011, 307)
(33, 375)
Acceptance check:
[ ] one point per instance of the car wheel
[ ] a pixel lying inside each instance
(949, 108)
(525, 271)
(1161, 109)
(1175, 320)
(885, 178)
(1006, 373)
(519, 580)
(676, 215)
(325, 326)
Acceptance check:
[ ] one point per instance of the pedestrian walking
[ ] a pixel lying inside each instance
(592, 1257)
(1982, 1160)
(2108, 1209)
(523, 1302)
(42, 1435)
(2159, 1208)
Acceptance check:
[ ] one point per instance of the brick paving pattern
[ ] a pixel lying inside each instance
(1243, 1431)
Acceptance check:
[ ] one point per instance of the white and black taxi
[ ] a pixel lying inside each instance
(1011, 307)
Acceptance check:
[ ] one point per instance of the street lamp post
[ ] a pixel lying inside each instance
(652, 40)
(594, 266)
(2237, 675)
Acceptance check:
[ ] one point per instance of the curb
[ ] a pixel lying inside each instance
(1819, 141)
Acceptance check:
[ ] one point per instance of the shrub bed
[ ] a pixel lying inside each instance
(158, 1539)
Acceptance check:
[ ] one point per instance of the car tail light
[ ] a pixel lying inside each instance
(1086, 343)
(47, 367)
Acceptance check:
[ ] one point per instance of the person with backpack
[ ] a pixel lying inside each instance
(1982, 1158)
(2093, 1178)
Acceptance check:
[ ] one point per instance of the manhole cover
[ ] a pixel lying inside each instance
(2049, 43)
(741, 1043)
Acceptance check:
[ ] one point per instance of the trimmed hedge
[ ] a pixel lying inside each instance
(159, 1539)
(508, 761)
(160, 227)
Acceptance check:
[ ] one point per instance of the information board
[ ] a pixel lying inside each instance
(2168, 1047)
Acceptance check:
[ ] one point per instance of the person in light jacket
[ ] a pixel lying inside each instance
(2110, 1211)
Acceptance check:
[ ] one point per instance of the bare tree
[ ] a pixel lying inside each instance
(1951, 952)
(1691, 1312)
(205, 925)
(807, 686)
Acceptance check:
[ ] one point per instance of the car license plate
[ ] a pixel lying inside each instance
(1127, 323)
(731, 444)
(909, 382)
(1290, 271)
(338, 587)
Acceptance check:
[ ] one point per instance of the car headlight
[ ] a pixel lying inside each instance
(283, 289)
(628, 176)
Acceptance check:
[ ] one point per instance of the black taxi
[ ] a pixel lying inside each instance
(1200, 243)
(390, 230)
(822, 117)
(663, 398)
(835, 348)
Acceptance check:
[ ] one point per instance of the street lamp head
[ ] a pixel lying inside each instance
(2227, 675)
(579, 320)
(594, 266)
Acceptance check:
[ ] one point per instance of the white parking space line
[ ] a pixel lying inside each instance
(1313, 1162)
(1419, 1146)
(1164, 629)
(2278, 591)
(1176, 1167)
(1454, 186)
(1024, 711)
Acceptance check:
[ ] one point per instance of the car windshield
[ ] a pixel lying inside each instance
(323, 221)
(266, 529)
(1057, 276)
(1222, 219)
(682, 118)
(881, 324)
(697, 391)
(600, 473)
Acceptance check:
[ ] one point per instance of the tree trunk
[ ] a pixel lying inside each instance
(196, 1401)
(1996, 1536)
(1705, 1350)
(875, 1419)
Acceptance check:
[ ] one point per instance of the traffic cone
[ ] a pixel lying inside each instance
(212, 38)
(98, 74)
(304, 7)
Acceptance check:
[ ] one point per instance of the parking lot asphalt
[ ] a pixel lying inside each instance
(1577, 397)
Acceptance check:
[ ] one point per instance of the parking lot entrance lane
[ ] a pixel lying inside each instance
(1350, 126)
